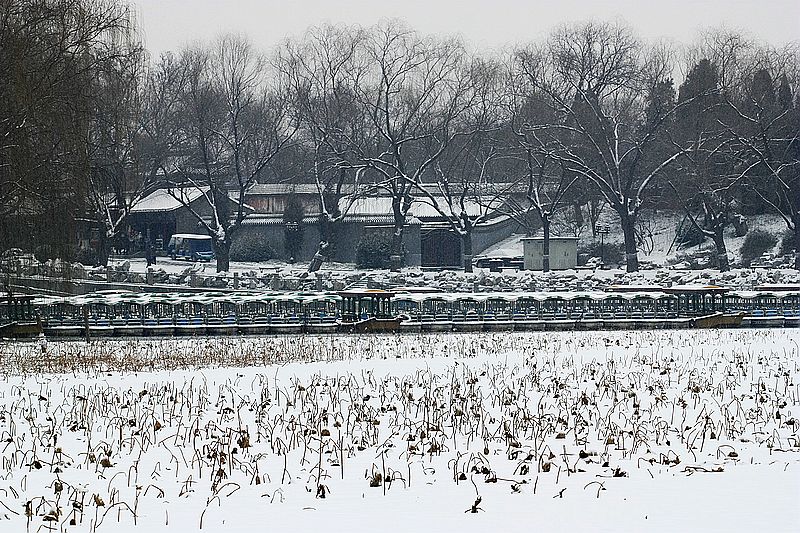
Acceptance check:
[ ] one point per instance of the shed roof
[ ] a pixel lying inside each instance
(552, 238)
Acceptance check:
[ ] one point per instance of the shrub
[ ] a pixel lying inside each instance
(612, 253)
(44, 253)
(373, 250)
(687, 235)
(755, 244)
(86, 256)
(251, 247)
(787, 243)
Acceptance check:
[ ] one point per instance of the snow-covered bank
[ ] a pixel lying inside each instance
(582, 280)
(656, 431)
(338, 276)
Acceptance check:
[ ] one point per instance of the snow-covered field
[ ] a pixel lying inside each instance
(624, 431)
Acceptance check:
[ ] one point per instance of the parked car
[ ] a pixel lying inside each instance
(190, 246)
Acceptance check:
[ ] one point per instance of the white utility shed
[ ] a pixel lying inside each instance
(563, 252)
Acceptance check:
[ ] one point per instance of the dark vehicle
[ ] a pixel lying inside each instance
(191, 247)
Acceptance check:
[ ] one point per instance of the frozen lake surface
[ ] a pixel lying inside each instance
(603, 431)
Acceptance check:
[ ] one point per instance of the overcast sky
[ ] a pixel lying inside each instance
(169, 24)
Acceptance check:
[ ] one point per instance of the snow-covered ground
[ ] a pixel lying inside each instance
(661, 229)
(624, 431)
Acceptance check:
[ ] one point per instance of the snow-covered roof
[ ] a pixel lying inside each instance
(161, 201)
(539, 296)
(191, 236)
(552, 238)
(259, 219)
(422, 208)
(273, 189)
(749, 295)
(126, 297)
(701, 289)
(278, 189)
(381, 219)
(166, 200)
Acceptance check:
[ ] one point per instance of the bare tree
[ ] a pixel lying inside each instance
(415, 91)
(545, 179)
(461, 185)
(236, 125)
(116, 182)
(710, 212)
(52, 53)
(765, 133)
(161, 119)
(323, 71)
(756, 121)
(379, 109)
(464, 192)
(613, 106)
(705, 185)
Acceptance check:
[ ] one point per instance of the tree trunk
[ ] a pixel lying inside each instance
(797, 245)
(629, 233)
(102, 249)
(722, 251)
(577, 214)
(594, 215)
(466, 251)
(222, 249)
(546, 244)
(329, 231)
(319, 257)
(396, 252)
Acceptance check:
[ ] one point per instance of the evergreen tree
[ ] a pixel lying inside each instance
(784, 94)
(699, 96)
(293, 227)
(702, 183)
(761, 96)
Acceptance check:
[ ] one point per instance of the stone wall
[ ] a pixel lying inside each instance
(487, 235)
(348, 236)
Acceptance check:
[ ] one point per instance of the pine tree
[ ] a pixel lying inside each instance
(762, 91)
(293, 227)
(701, 87)
(784, 94)
(702, 184)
